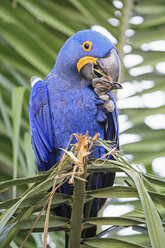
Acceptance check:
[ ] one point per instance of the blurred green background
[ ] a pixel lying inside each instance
(31, 35)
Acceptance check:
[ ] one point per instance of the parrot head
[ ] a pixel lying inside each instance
(89, 54)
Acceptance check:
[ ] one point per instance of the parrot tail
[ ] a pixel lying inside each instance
(66, 240)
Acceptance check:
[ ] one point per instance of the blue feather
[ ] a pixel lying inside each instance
(40, 122)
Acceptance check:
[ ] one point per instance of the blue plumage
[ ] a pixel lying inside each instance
(65, 103)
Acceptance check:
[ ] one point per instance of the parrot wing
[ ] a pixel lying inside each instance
(40, 125)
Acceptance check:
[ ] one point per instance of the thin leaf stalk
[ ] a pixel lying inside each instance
(126, 13)
(49, 208)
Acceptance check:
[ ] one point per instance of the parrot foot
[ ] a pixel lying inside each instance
(103, 85)
(101, 88)
(107, 102)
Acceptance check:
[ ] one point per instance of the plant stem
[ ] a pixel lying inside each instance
(126, 13)
(77, 211)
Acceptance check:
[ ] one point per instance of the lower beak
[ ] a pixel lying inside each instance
(102, 69)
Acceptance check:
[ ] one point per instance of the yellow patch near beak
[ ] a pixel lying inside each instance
(85, 60)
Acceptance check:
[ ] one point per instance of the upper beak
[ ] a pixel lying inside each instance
(107, 68)
(110, 64)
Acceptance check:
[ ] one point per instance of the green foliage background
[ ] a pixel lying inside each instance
(31, 35)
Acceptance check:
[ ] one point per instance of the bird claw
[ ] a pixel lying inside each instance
(102, 87)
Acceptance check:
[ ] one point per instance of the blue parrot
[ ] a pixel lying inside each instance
(73, 99)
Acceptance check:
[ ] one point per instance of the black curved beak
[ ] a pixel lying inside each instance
(105, 69)
(110, 64)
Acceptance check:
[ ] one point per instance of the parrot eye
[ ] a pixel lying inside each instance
(87, 46)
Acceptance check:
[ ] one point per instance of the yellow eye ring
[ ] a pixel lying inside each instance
(87, 46)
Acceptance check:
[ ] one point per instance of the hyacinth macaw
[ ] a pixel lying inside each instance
(71, 100)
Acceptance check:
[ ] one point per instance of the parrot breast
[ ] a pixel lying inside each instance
(73, 110)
